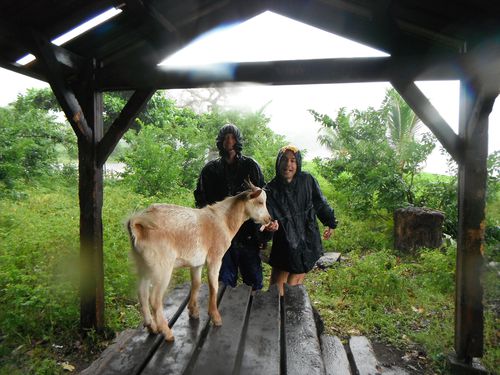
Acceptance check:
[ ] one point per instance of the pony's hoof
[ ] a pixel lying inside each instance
(170, 338)
(194, 313)
(151, 328)
(217, 322)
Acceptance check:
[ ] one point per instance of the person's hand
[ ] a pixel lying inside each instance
(271, 227)
(327, 233)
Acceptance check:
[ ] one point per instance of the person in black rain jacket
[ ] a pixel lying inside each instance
(295, 200)
(225, 177)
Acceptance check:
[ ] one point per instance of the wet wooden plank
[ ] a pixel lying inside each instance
(364, 357)
(218, 355)
(261, 353)
(174, 357)
(133, 347)
(394, 370)
(334, 356)
(303, 353)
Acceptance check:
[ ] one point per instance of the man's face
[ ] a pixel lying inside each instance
(288, 165)
(229, 143)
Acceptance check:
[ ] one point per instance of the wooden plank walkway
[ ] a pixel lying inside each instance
(261, 334)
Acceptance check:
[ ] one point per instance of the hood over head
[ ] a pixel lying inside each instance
(226, 129)
(298, 157)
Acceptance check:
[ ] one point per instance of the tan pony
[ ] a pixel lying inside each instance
(165, 236)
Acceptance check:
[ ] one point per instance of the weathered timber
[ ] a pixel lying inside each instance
(123, 122)
(365, 361)
(261, 334)
(176, 356)
(416, 227)
(472, 176)
(303, 352)
(334, 356)
(261, 354)
(90, 194)
(363, 355)
(133, 347)
(218, 356)
(290, 72)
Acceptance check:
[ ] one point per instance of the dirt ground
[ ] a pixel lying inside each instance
(413, 362)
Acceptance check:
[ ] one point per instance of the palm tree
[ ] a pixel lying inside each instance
(328, 133)
(402, 127)
(402, 124)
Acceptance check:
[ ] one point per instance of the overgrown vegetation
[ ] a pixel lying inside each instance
(406, 301)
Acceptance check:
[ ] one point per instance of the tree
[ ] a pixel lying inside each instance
(402, 124)
(169, 144)
(28, 140)
(169, 152)
(375, 154)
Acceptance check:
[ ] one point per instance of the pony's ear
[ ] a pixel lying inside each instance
(249, 184)
(254, 194)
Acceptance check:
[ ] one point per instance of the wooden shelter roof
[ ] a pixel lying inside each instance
(416, 33)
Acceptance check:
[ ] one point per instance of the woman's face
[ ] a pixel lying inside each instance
(288, 165)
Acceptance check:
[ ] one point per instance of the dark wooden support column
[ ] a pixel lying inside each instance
(472, 176)
(91, 202)
(83, 106)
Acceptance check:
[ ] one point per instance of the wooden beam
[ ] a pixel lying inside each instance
(148, 12)
(14, 67)
(293, 72)
(429, 116)
(66, 58)
(124, 121)
(473, 129)
(45, 52)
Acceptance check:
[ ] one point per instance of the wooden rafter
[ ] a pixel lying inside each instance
(430, 117)
(46, 54)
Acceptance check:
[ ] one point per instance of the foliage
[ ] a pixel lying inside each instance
(375, 155)
(167, 155)
(155, 162)
(441, 193)
(403, 301)
(38, 256)
(370, 234)
(28, 140)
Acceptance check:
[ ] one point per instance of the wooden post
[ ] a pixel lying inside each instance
(472, 177)
(91, 201)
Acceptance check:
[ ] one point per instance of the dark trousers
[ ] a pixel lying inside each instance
(246, 259)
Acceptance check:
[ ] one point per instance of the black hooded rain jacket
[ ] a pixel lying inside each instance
(219, 180)
(296, 205)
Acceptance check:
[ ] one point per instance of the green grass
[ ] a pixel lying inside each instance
(403, 301)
